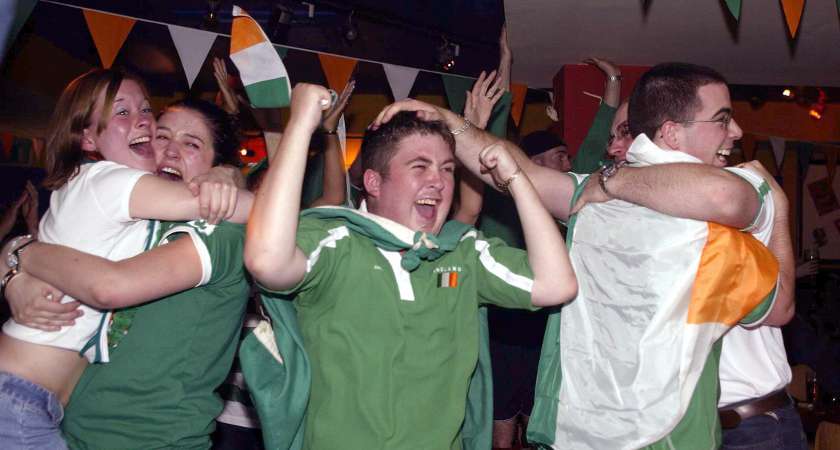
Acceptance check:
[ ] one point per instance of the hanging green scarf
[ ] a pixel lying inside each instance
(280, 390)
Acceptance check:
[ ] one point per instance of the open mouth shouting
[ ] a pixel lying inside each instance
(142, 146)
(427, 208)
(722, 154)
(170, 173)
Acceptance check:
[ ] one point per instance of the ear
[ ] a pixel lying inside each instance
(373, 182)
(670, 135)
(88, 143)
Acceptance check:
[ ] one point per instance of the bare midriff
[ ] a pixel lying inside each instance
(55, 369)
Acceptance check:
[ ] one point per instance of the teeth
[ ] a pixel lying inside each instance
(724, 151)
(140, 140)
(427, 201)
(170, 171)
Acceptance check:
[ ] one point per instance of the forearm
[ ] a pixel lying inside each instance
(554, 279)
(505, 62)
(612, 92)
(470, 198)
(107, 284)
(692, 191)
(271, 253)
(782, 248)
(334, 188)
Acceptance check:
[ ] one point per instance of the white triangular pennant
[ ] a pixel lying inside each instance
(401, 79)
(778, 145)
(193, 46)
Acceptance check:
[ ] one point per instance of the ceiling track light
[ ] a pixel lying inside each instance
(447, 53)
(351, 32)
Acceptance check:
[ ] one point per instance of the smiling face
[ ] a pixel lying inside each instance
(129, 127)
(416, 190)
(710, 135)
(183, 144)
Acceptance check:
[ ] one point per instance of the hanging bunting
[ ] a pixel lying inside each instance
(108, 32)
(804, 150)
(456, 88)
(281, 51)
(193, 46)
(260, 67)
(778, 145)
(830, 162)
(734, 8)
(518, 90)
(6, 140)
(15, 15)
(338, 70)
(401, 79)
(793, 14)
(748, 146)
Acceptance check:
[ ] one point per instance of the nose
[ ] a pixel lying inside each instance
(171, 150)
(735, 131)
(434, 179)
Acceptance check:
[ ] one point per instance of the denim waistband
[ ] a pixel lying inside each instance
(24, 390)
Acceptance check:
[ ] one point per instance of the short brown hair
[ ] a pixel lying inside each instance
(379, 145)
(72, 115)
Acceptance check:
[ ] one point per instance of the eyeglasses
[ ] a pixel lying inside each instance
(723, 121)
(621, 131)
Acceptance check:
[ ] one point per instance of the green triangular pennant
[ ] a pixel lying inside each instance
(456, 91)
(735, 8)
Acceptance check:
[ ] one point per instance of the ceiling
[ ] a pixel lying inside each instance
(546, 34)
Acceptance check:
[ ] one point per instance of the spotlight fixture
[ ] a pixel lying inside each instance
(447, 53)
(350, 30)
(246, 152)
(818, 107)
(280, 21)
(788, 93)
(211, 19)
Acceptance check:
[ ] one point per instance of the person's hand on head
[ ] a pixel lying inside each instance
(37, 304)
(332, 115)
(424, 111)
(485, 93)
(612, 92)
(309, 101)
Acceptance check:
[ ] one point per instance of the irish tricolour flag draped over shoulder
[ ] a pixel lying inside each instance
(260, 67)
(636, 352)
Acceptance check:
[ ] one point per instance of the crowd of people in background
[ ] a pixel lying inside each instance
(630, 296)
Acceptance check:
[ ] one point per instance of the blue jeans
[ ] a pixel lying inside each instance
(780, 429)
(29, 416)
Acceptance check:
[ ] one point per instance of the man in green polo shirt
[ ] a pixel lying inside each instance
(387, 301)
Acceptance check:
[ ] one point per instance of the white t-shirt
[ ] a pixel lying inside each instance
(91, 214)
(753, 362)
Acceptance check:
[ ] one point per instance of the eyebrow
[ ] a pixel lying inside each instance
(723, 111)
(423, 159)
(161, 127)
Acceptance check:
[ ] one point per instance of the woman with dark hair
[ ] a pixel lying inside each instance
(166, 357)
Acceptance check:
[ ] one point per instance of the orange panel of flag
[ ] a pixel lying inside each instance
(518, 92)
(793, 14)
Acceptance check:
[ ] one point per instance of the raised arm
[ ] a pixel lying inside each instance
(335, 187)
(271, 252)
(554, 278)
(555, 188)
(612, 91)
(479, 106)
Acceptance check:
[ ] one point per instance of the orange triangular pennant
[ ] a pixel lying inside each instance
(109, 33)
(517, 92)
(748, 146)
(793, 14)
(338, 70)
(830, 161)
